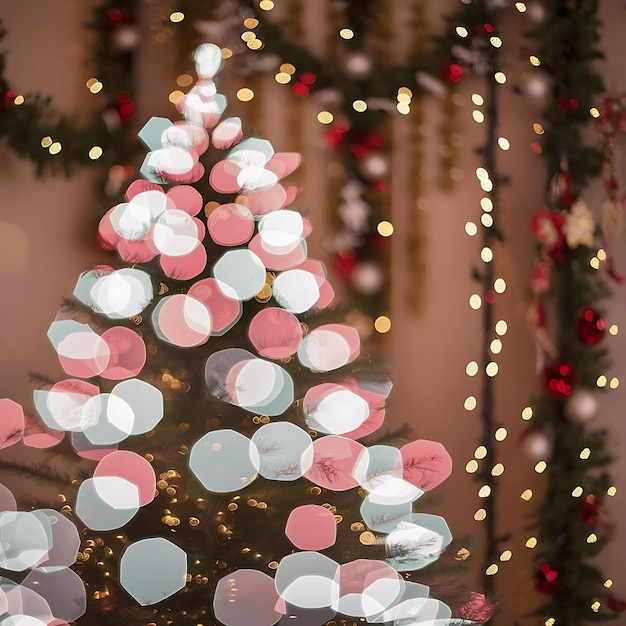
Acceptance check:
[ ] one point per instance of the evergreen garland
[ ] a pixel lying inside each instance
(567, 287)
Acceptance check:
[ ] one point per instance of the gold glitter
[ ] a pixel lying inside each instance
(367, 538)
(233, 506)
(357, 527)
(462, 554)
(264, 294)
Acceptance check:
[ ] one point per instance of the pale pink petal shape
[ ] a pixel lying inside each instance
(87, 450)
(141, 251)
(376, 403)
(191, 176)
(265, 201)
(200, 108)
(106, 232)
(186, 198)
(11, 422)
(307, 227)
(198, 137)
(139, 186)
(185, 267)
(231, 224)
(327, 295)
(227, 133)
(426, 463)
(245, 597)
(278, 262)
(40, 436)
(223, 177)
(131, 467)
(225, 310)
(334, 461)
(349, 334)
(357, 576)
(83, 354)
(127, 353)
(292, 191)
(283, 163)
(182, 321)
(7, 503)
(200, 228)
(311, 527)
(275, 333)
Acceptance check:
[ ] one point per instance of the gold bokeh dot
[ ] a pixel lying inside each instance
(95, 153)
(325, 117)
(382, 324)
(385, 228)
(245, 94)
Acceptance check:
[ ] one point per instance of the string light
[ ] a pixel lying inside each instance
(475, 301)
(470, 403)
(480, 452)
(385, 228)
(471, 368)
(95, 153)
(245, 94)
(479, 116)
(382, 324)
(501, 434)
(471, 229)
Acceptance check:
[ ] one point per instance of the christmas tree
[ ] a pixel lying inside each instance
(226, 420)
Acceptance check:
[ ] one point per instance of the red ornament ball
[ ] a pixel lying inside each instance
(590, 510)
(547, 579)
(616, 604)
(590, 327)
(559, 379)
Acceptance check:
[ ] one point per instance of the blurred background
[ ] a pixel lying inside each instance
(412, 169)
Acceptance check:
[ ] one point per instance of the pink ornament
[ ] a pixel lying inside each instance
(311, 527)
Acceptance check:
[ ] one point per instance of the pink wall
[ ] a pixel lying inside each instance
(44, 225)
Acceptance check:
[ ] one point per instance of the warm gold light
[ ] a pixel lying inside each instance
(382, 324)
(245, 94)
(385, 228)
(95, 153)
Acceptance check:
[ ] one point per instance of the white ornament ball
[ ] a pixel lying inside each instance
(367, 278)
(536, 12)
(358, 65)
(375, 166)
(536, 85)
(537, 445)
(581, 406)
(126, 38)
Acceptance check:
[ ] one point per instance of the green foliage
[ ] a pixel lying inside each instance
(569, 522)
